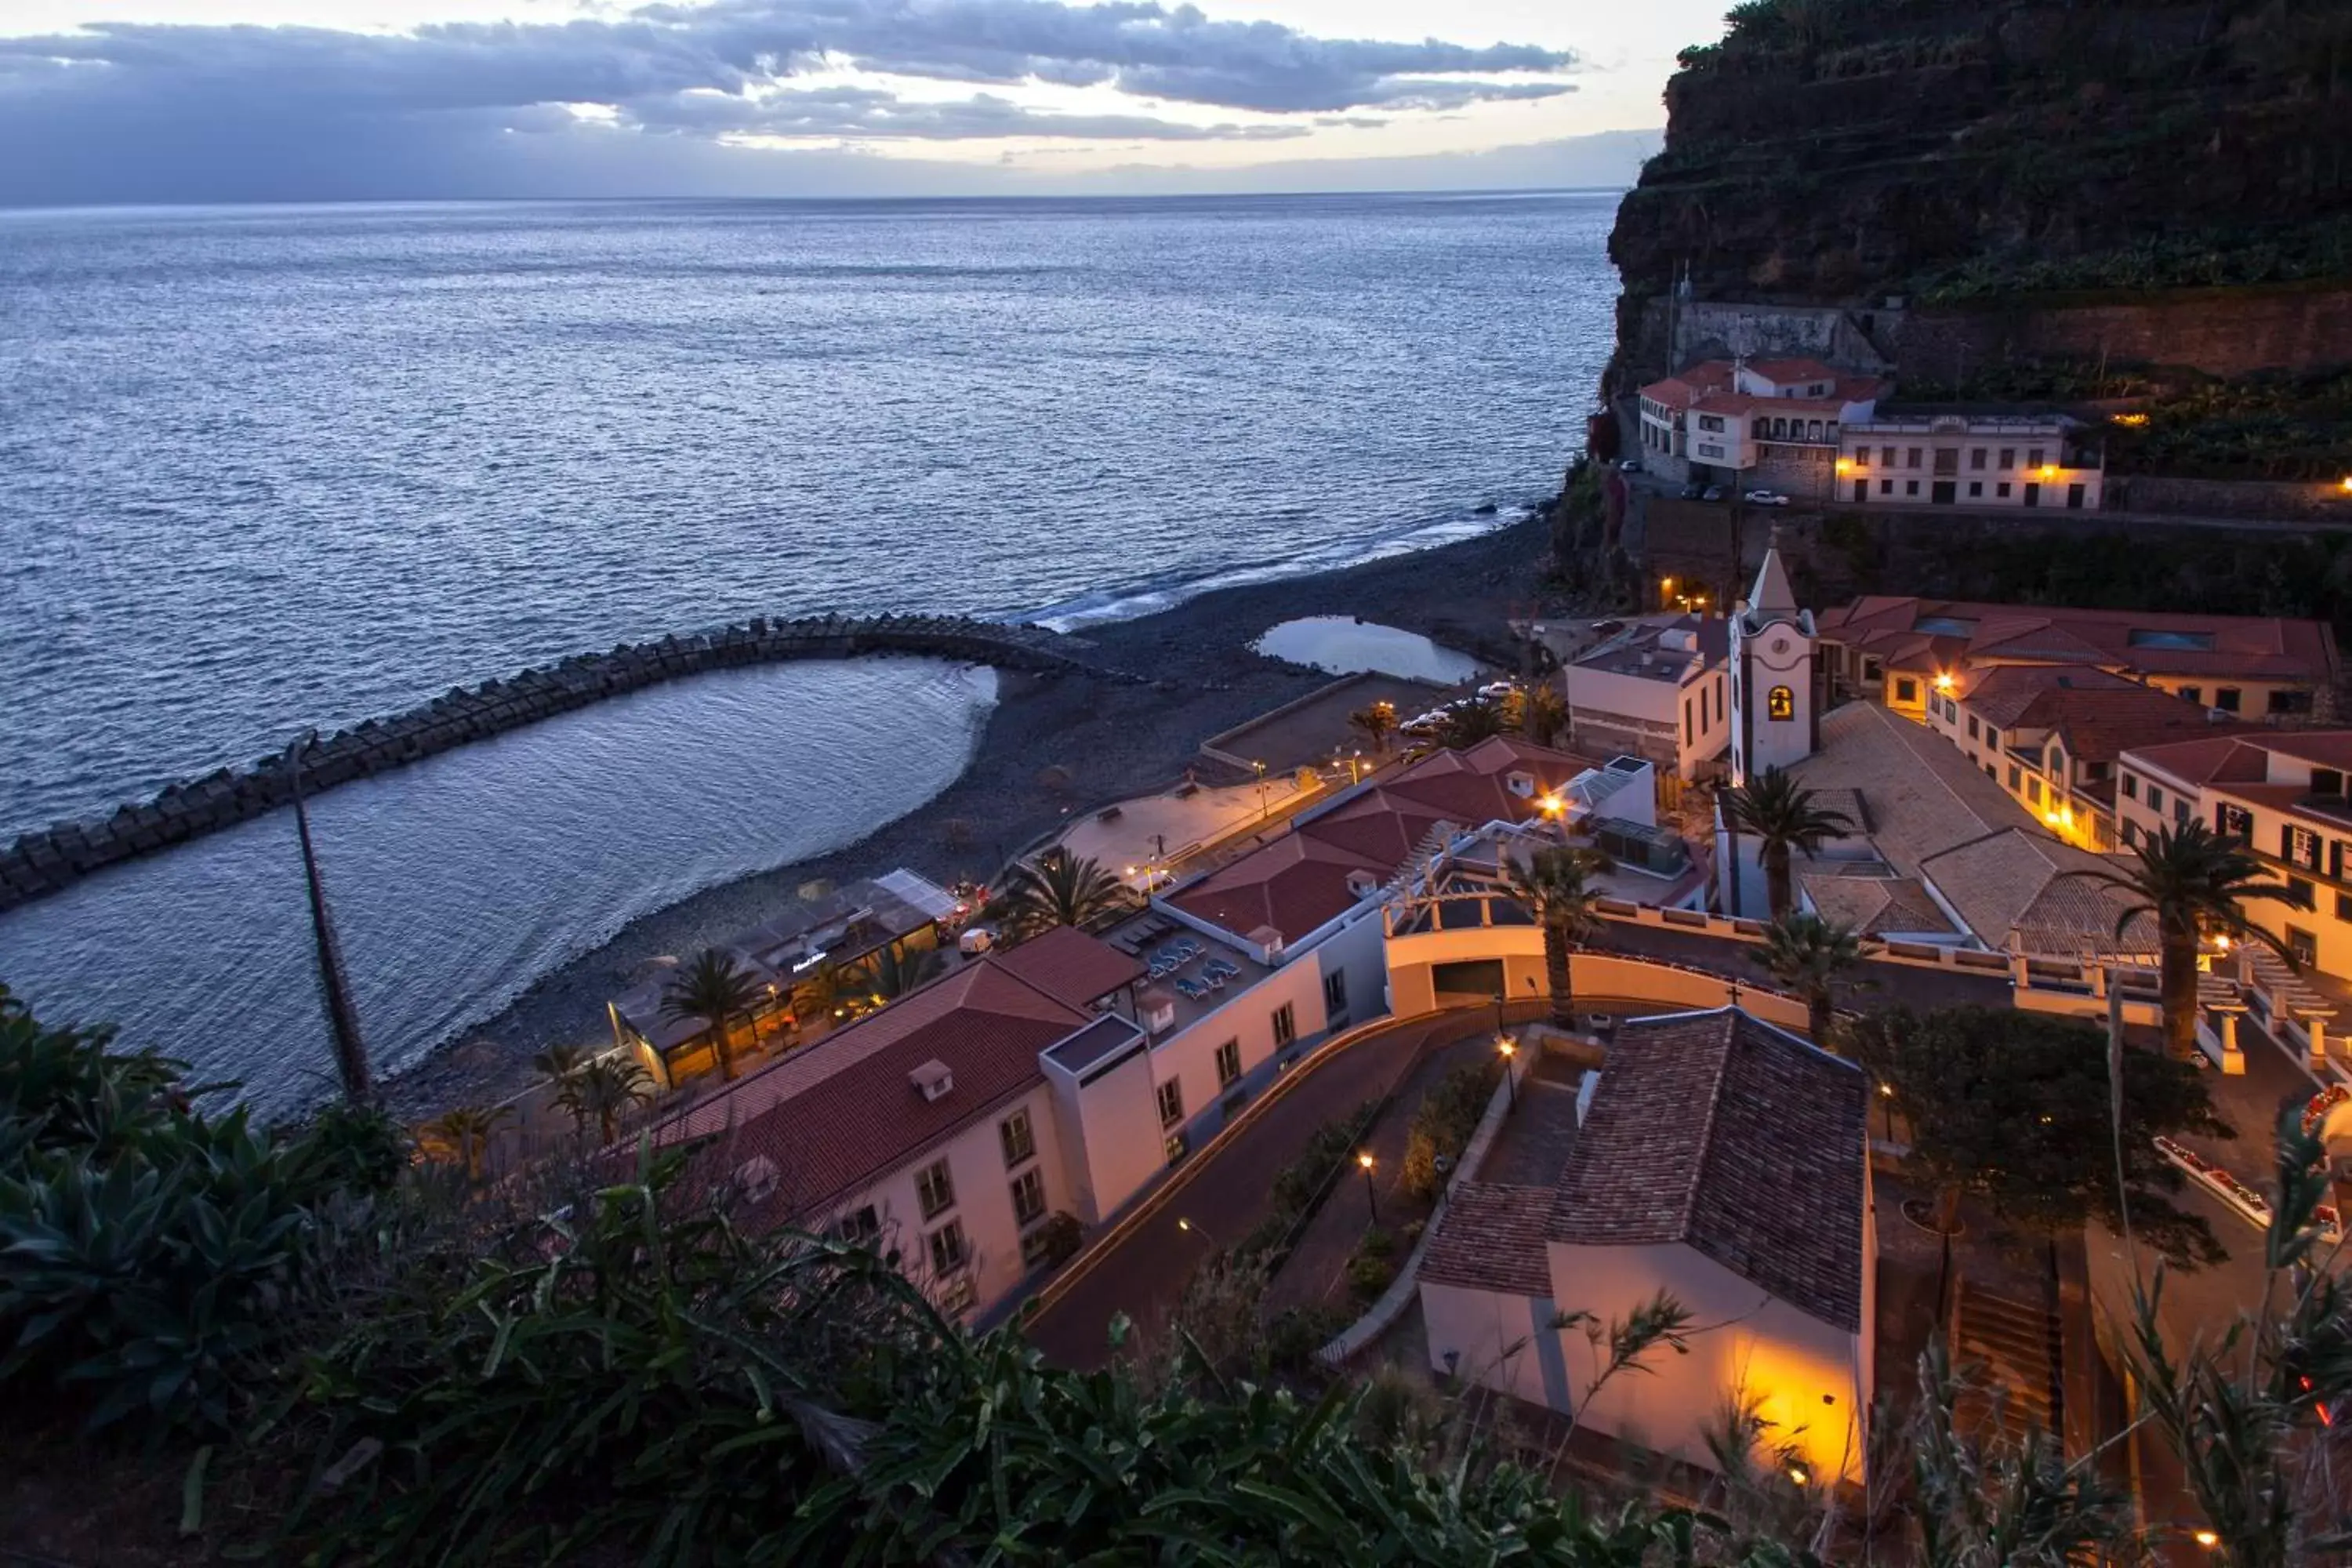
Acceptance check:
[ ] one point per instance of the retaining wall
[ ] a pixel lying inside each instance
(42, 862)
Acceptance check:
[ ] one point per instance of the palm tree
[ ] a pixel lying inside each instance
(1806, 954)
(898, 970)
(1556, 885)
(1781, 813)
(1378, 722)
(1543, 713)
(604, 1090)
(462, 1137)
(558, 1062)
(1468, 723)
(714, 988)
(1056, 888)
(2193, 881)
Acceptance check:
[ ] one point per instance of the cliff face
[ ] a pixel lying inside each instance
(1838, 152)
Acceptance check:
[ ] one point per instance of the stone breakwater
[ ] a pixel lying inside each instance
(43, 862)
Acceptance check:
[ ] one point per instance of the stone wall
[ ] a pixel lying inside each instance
(2229, 498)
(2222, 332)
(43, 862)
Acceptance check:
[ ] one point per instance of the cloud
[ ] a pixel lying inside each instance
(142, 111)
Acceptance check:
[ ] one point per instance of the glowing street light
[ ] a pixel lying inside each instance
(1371, 1193)
(1189, 1229)
(1262, 809)
(2207, 1539)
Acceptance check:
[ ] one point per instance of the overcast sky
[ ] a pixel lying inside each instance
(105, 100)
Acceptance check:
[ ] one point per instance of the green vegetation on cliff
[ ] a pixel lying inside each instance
(1832, 149)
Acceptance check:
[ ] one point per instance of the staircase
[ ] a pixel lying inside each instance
(2007, 1348)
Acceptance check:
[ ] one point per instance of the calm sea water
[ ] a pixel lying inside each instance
(263, 469)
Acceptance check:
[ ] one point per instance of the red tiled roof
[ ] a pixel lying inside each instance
(2099, 715)
(1299, 882)
(1780, 372)
(1492, 1238)
(1720, 1131)
(2248, 647)
(2244, 757)
(1679, 390)
(836, 1114)
(2002, 694)
(1070, 966)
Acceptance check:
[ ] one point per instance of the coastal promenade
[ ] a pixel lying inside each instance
(43, 862)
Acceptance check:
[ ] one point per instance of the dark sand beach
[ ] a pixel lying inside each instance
(1110, 739)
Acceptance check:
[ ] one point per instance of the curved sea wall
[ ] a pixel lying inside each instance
(43, 862)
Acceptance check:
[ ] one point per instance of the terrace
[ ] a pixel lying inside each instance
(1189, 974)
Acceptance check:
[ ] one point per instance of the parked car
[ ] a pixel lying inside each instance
(1767, 498)
(1693, 490)
(1630, 465)
(1713, 493)
(1496, 691)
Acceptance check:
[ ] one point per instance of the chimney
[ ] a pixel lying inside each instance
(934, 1078)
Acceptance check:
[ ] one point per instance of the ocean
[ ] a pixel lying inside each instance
(266, 470)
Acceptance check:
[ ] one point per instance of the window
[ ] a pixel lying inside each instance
(1911, 458)
(934, 1188)
(1862, 457)
(1028, 1195)
(1812, 429)
(1334, 992)
(1171, 1102)
(2001, 490)
(1285, 1025)
(2033, 458)
(1907, 690)
(1975, 459)
(948, 1249)
(2328, 781)
(1976, 487)
(2304, 945)
(1973, 727)
(2131, 786)
(859, 1229)
(2298, 893)
(2181, 808)
(1706, 450)
(1886, 457)
(2344, 906)
(1019, 1139)
(1760, 427)
(2033, 791)
(1780, 704)
(1711, 422)
(1037, 1246)
(1871, 668)
(2015, 777)
(1689, 734)
(1910, 487)
(2193, 694)
(2227, 699)
(2008, 458)
(1779, 429)
(1886, 487)
(1229, 1063)
(2131, 833)
(2233, 821)
(2096, 772)
(2299, 847)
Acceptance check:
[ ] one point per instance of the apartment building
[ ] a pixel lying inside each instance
(1896, 650)
(1657, 688)
(1976, 461)
(2051, 735)
(1772, 421)
(2284, 792)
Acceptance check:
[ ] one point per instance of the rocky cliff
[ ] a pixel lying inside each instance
(1965, 156)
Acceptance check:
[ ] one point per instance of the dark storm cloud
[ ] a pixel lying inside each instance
(124, 111)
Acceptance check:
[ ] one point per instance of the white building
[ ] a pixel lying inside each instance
(1719, 1160)
(2284, 792)
(1771, 422)
(1776, 698)
(1656, 689)
(1970, 460)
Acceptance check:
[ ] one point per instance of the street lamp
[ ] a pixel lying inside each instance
(1262, 807)
(1187, 1226)
(1371, 1193)
(1507, 1047)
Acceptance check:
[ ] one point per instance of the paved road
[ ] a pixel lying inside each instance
(1142, 1271)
